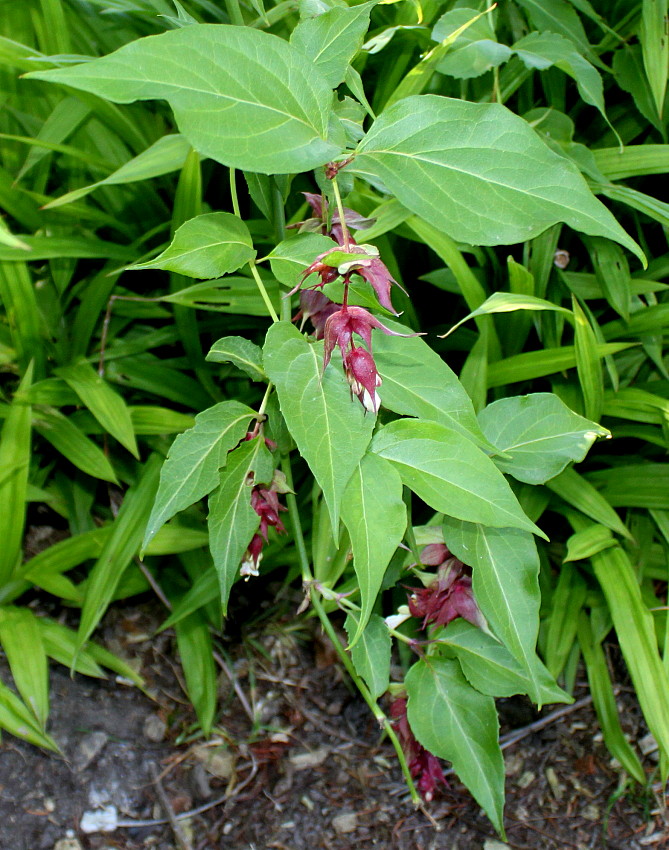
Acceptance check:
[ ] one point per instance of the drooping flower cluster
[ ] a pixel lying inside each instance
(450, 594)
(423, 766)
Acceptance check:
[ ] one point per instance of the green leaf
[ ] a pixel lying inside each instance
(375, 515)
(417, 382)
(331, 430)
(612, 273)
(166, 155)
(232, 521)
(588, 363)
(455, 722)
(508, 302)
(588, 542)
(632, 161)
(566, 604)
(558, 16)
(475, 51)
(634, 485)
(22, 642)
(479, 173)
(332, 39)
(539, 434)
(579, 493)
(371, 653)
(490, 668)
(291, 257)
(119, 548)
(505, 570)
(197, 659)
(103, 402)
(207, 246)
(60, 643)
(231, 294)
(654, 36)
(240, 96)
(448, 472)
(542, 50)
(538, 364)
(17, 720)
(73, 444)
(191, 470)
(242, 353)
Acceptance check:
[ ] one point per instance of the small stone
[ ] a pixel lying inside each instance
(345, 822)
(216, 760)
(67, 844)
(89, 749)
(513, 764)
(101, 820)
(591, 812)
(526, 779)
(49, 805)
(201, 782)
(493, 844)
(647, 744)
(556, 787)
(301, 761)
(154, 728)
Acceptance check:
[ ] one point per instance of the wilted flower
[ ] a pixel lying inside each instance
(450, 594)
(423, 766)
(265, 502)
(361, 374)
(316, 307)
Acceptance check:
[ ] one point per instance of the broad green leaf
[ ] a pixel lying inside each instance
(455, 722)
(206, 247)
(476, 50)
(73, 444)
(17, 720)
(450, 474)
(604, 699)
(589, 541)
(119, 548)
(538, 364)
(558, 16)
(508, 302)
(240, 96)
(242, 353)
(103, 402)
(642, 485)
(331, 430)
(232, 521)
(22, 642)
(479, 173)
(196, 652)
(539, 435)
(191, 470)
(490, 668)
(505, 570)
(332, 39)
(291, 257)
(371, 653)
(542, 50)
(375, 515)
(230, 294)
(417, 382)
(14, 470)
(162, 157)
(579, 493)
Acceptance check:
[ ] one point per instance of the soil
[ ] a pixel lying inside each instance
(306, 769)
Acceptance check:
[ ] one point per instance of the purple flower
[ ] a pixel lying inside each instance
(450, 594)
(361, 374)
(265, 502)
(423, 766)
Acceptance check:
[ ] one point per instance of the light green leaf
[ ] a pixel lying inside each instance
(375, 515)
(479, 173)
(206, 247)
(613, 274)
(490, 668)
(371, 653)
(455, 722)
(579, 493)
(73, 444)
(634, 485)
(22, 642)
(103, 402)
(476, 50)
(588, 363)
(632, 161)
(230, 294)
(60, 643)
(194, 460)
(197, 659)
(243, 97)
(505, 570)
(588, 542)
(332, 39)
(566, 604)
(448, 472)
(291, 257)
(539, 434)
(508, 302)
(417, 382)
(654, 37)
(166, 155)
(558, 16)
(17, 720)
(242, 353)
(331, 430)
(232, 521)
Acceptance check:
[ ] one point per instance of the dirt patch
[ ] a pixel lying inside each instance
(306, 769)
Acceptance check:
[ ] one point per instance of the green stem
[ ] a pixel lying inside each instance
(233, 192)
(265, 399)
(307, 577)
(263, 291)
(340, 209)
(234, 12)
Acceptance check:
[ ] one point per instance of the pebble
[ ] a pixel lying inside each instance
(89, 749)
(301, 761)
(154, 728)
(345, 822)
(217, 761)
(101, 820)
(67, 844)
